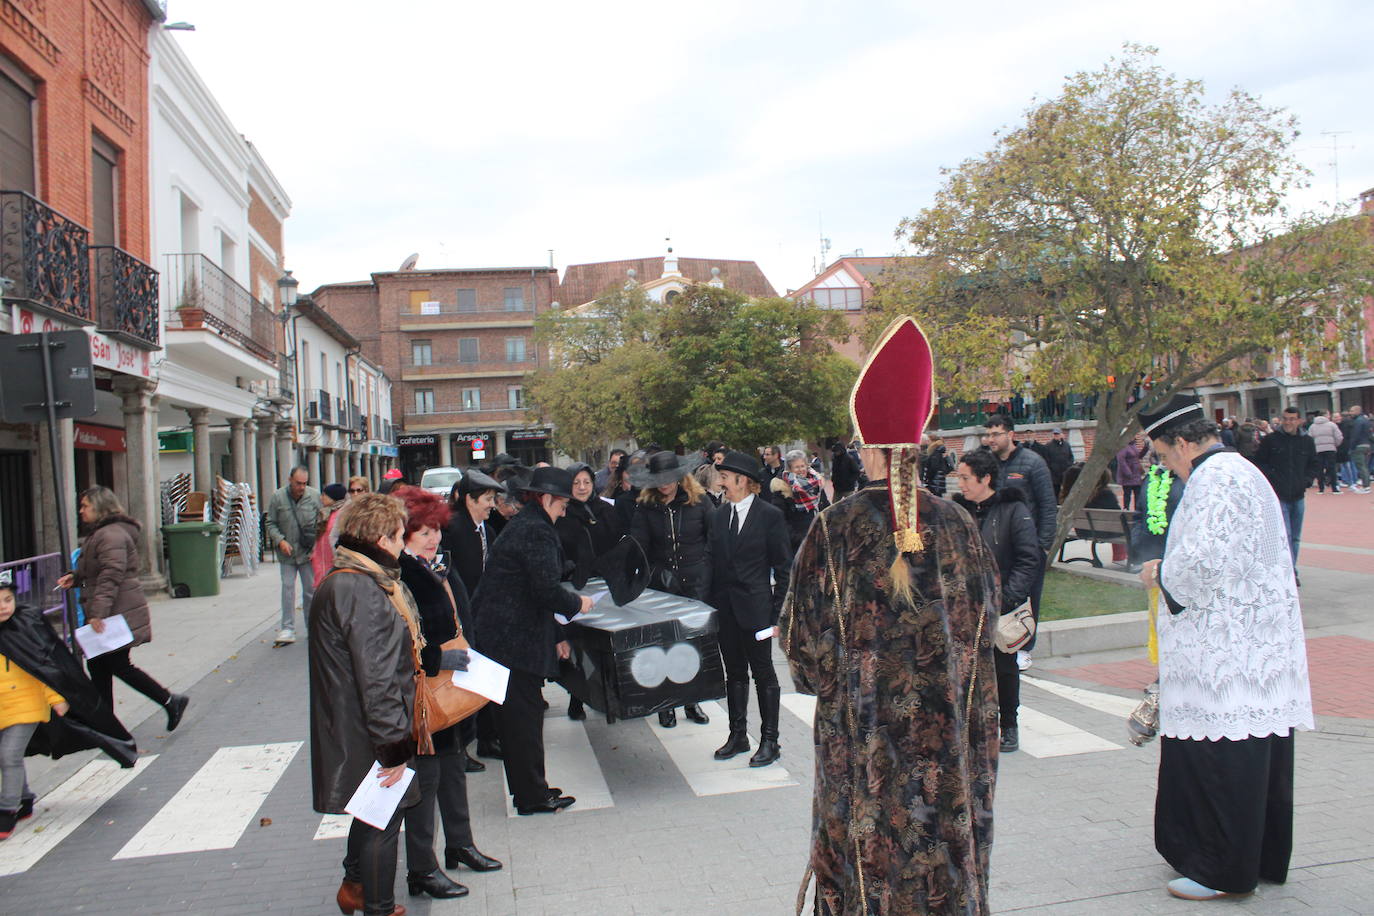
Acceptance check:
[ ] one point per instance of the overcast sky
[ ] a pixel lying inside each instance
(485, 134)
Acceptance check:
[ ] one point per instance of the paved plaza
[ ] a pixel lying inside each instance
(216, 819)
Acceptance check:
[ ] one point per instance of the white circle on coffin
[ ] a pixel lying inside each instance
(649, 667)
(683, 663)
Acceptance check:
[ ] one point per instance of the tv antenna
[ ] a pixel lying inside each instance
(1335, 163)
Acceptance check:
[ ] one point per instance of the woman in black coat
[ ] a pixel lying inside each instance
(1009, 531)
(442, 602)
(844, 474)
(672, 522)
(521, 591)
(363, 631)
(587, 530)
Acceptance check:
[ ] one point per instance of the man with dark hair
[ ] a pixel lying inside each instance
(293, 517)
(1027, 471)
(1289, 460)
(1360, 444)
(773, 469)
(1058, 455)
(604, 475)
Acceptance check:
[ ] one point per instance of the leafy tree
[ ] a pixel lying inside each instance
(711, 364)
(1129, 237)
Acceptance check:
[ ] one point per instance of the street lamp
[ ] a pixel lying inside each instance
(287, 286)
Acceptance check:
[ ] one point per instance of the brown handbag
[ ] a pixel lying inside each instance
(446, 704)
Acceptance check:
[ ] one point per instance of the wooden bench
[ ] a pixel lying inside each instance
(1100, 526)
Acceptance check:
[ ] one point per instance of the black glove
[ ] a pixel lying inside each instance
(454, 659)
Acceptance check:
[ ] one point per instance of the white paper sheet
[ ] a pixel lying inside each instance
(763, 634)
(596, 597)
(372, 803)
(484, 676)
(116, 636)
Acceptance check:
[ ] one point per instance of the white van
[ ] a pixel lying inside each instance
(440, 480)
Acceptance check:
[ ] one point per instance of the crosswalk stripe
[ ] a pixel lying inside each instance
(64, 809)
(1046, 736)
(215, 806)
(691, 747)
(801, 705)
(569, 762)
(336, 827)
(1109, 703)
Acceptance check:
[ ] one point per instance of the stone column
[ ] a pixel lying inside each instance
(266, 481)
(445, 449)
(142, 465)
(499, 445)
(312, 461)
(285, 460)
(1247, 404)
(201, 480)
(238, 449)
(250, 453)
(46, 511)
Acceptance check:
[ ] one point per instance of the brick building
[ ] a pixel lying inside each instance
(457, 345)
(74, 157)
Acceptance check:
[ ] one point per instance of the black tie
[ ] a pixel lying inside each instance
(734, 522)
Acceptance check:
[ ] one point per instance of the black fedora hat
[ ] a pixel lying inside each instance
(553, 481)
(663, 468)
(744, 464)
(1181, 409)
(625, 569)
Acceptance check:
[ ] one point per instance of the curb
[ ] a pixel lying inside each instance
(1128, 630)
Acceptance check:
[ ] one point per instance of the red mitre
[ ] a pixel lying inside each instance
(895, 395)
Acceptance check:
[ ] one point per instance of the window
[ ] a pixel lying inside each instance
(16, 133)
(850, 299)
(104, 191)
(515, 349)
(422, 303)
(190, 225)
(324, 369)
(424, 400)
(467, 300)
(515, 397)
(421, 353)
(467, 349)
(515, 299)
(472, 398)
(305, 364)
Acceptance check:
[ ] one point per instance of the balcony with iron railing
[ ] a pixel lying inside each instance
(46, 258)
(201, 296)
(319, 408)
(126, 296)
(357, 423)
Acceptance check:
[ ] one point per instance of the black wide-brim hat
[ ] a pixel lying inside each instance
(1181, 409)
(553, 481)
(663, 468)
(744, 464)
(625, 569)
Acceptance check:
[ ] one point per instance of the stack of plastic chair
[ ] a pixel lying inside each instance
(235, 509)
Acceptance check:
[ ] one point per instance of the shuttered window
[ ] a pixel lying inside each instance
(16, 137)
(104, 190)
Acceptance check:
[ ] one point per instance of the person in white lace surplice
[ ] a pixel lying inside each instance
(1233, 681)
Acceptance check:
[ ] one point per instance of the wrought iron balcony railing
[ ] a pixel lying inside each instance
(125, 295)
(201, 295)
(377, 430)
(45, 256)
(319, 408)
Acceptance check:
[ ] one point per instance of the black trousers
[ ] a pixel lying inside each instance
(443, 779)
(743, 653)
(1326, 472)
(1037, 587)
(1008, 686)
(520, 722)
(486, 723)
(116, 664)
(370, 860)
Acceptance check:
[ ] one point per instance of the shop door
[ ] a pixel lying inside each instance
(16, 507)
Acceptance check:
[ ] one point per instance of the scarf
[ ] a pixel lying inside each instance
(385, 570)
(807, 489)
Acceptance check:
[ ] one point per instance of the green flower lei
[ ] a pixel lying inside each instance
(1157, 498)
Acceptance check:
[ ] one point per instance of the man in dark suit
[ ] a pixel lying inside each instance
(748, 541)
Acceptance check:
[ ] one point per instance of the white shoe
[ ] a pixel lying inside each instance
(286, 635)
(1023, 659)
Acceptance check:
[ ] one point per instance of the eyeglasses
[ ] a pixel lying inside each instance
(356, 490)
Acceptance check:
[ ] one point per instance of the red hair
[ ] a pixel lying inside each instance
(423, 509)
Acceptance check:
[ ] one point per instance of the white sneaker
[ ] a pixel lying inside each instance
(286, 635)
(1023, 659)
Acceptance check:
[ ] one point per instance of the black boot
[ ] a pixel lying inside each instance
(471, 764)
(491, 748)
(770, 702)
(576, 711)
(737, 701)
(693, 712)
(668, 718)
(175, 706)
(470, 856)
(437, 884)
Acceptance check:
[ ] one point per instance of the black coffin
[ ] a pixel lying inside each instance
(654, 653)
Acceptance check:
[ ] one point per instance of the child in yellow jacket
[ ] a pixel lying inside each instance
(25, 703)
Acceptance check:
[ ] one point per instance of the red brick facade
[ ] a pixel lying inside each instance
(88, 61)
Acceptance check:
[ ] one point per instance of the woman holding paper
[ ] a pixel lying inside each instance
(107, 573)
(364, 630)
(445, 612)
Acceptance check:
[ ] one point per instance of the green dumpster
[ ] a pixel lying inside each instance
(193, 548)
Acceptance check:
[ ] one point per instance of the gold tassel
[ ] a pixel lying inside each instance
(908, 540)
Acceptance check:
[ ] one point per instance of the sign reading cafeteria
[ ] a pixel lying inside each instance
(416, 440)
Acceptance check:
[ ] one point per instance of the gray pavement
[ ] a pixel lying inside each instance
(1073, 834)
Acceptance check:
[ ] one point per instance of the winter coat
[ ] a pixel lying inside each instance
(107, 573)
(1360, 431)
(1028, 472)
(1289, 462)
(362, 677)
(293, 522)
(28, 643)
(741, 565)
(1009, 531)
(1129, 472)
(322, 555)
(440, 620)
(677, 537)
(585, 532)
(844, 473)
(904, 778)
(23, 698)
(1326, 436)
(935, 467)
(520, 592)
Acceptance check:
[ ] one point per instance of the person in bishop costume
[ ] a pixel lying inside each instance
(1233, 682)
(889, 621)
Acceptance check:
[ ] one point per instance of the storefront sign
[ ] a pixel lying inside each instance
(99, 438)
(416, 440)
(106, 352)
(528, 434)
(390, 451)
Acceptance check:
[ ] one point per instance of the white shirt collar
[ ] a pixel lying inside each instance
(742, 508)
